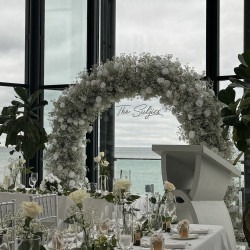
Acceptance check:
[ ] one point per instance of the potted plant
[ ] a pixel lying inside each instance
(236, 113)
(21, 124)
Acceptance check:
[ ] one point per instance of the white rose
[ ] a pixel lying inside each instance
(191, 134)
(149, 90)
(101, 154)
(199, 102)
(74, 149)
(207, 112)
(81, 122)
(190, 117)
(72, 183)
(169, 94)
(69, 120)
(105, 163)
(198, 86)
(120, 89)
(60, 120)
(54, 141)
(160, 80)
(183, 86)
(75, 122)
(97, 159)
(71, 174)
(165, 71)
(103, 84)
(167, 83)
(98, 99)
(191, 90)
(168, 186)
(62, 105)
(63, 126)
(31, 209)
(55, 156)
(78, 196)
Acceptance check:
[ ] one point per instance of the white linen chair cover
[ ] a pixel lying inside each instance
(9, 208)
(49, 203)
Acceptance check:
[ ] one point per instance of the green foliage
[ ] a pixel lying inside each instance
(236, 113)
(21, 124)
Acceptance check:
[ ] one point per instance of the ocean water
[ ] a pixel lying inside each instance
(143, 163)
(145, 167)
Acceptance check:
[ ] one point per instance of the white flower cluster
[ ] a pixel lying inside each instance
(179, 89)
(51, 184)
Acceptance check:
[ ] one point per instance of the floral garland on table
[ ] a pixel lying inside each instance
(180, 90)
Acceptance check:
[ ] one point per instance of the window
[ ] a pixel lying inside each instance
(12, 45)
(65, 40)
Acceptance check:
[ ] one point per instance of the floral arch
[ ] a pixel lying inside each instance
(180, 90)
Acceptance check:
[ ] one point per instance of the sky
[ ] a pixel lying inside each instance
(156, 26)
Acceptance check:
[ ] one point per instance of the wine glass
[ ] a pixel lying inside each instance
(34, 177)
(31, 183)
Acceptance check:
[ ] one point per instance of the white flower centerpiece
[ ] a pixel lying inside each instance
(102, 164)
(51, 184)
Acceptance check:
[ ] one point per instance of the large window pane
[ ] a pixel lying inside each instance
(12, 44)
(65, 40)
(163, 27)
(231, 35)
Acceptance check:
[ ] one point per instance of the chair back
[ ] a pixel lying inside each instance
(49, 203)
(8, 211)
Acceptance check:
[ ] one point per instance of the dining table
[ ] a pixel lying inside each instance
(207, 237)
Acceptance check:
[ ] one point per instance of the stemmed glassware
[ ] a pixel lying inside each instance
(33, 179)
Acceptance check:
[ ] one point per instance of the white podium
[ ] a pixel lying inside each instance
(201, 178)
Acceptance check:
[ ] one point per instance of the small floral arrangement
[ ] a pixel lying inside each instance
(15, 167)
(25, 221)
(102, 242)
(102, 163)
(77, 215)
(51, 184)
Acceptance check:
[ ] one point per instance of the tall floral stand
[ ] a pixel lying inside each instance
(201, 178)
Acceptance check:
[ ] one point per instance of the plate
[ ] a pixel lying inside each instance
(190, 237)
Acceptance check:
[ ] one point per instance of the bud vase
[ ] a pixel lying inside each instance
(103, 184)
(28, 244)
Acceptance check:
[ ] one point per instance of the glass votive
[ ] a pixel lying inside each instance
(157, 242)
(183, 229)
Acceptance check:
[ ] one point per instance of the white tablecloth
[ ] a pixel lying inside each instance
(216, 239)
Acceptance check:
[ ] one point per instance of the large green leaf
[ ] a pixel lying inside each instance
(231, 120)
(34, 97)
(227, 95)
(226, 112)
(245, 57)
(22, 93)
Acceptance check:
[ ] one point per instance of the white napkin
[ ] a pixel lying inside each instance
(175, 245)
(199, 231)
